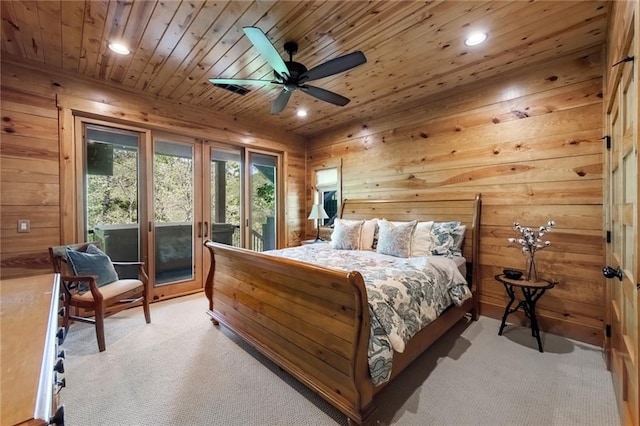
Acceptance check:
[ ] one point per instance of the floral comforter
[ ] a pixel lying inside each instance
(405, 294)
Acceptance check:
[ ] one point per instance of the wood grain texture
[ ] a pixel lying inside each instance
(518, 120)
(314, 321)
(27, 381)
(530, 142)
(30, 181)
(413, 49)
(621, 217)
(39, 164)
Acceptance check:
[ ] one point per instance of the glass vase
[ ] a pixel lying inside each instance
(531, 273)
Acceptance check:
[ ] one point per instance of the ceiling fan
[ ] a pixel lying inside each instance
(293, 75)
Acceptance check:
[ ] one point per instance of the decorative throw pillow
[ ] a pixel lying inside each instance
(458, 239)
(367, 236)
(395, 239)
(92, 262)
(447, 238)
(421, 241)
(346, 234)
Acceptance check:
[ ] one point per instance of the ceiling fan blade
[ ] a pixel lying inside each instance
(325, 95)
(334, 66)
(264, 46)
(240, 81)
(280, 102)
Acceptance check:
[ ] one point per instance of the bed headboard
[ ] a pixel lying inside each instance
(466, 210)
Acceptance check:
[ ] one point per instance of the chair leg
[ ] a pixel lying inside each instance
(100, 326)
(145, 307)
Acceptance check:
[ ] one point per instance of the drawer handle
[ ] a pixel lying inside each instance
(60, 336)
(61, 384)
(59, 367)
(58, 418)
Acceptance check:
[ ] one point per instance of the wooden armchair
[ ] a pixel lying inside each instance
(84, 292)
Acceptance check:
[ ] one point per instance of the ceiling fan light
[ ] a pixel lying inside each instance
(475, 39)
(119, 48)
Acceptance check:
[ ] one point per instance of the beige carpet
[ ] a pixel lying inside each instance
(182, 370)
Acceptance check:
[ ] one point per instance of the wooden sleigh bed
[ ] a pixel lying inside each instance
(313, 321)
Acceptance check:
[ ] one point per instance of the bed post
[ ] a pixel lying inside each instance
(475, 253)
(208, 285)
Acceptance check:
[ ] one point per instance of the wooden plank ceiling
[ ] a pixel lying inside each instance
(414, 49)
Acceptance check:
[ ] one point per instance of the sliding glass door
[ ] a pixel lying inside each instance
(226, 195)
(156, 197)
(263, 170)
(143, 202)
(176, 227)
(113, 191)
(243, 190)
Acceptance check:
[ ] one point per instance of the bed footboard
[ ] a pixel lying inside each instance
(311, 321)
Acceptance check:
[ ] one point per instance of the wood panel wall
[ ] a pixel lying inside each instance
(30, 180)
(530, 143)
(37, 108)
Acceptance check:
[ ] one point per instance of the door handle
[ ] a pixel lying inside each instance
(609, 272)
(206, 229)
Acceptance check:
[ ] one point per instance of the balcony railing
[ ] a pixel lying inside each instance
(173, 242)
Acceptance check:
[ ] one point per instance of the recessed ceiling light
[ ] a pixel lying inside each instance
(475, 39)
(301, 113)
(119, 48)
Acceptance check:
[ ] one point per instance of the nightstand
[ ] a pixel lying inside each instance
(532, 291)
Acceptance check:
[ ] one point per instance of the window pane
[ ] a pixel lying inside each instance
(263, 201)
(173, 211)
(226, 192)
(330, 204)
(112, 196)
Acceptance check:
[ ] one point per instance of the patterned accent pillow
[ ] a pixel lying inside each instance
(346, 234)
(395, 239)
(92, 262)
(447, 238)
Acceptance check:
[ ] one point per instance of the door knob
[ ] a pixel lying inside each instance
(609, 272)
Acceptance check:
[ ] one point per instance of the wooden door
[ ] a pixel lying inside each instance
(621, 194)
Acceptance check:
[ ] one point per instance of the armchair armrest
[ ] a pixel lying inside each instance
(142, 273)
(91, 279)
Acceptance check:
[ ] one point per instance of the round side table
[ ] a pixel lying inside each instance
(532, 291)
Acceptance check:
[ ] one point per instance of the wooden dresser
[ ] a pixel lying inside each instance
(30, 360)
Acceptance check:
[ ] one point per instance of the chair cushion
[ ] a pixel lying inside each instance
(92, 262)
(113, 289)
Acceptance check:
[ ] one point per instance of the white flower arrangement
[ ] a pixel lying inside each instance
(531, 242)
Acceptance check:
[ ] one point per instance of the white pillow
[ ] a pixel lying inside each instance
(395, 240)
(421, 242)
(368, 234)
(346, 234)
